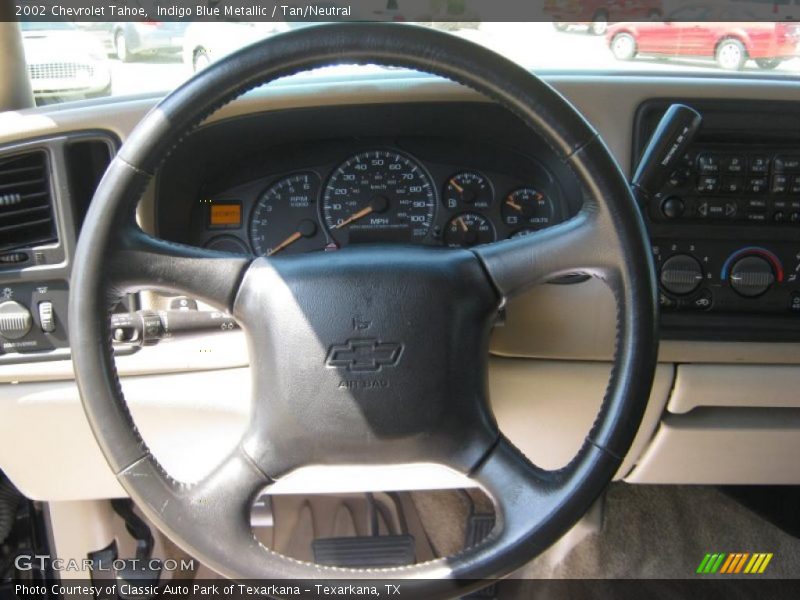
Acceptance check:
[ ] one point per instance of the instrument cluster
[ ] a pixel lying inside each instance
(379, 194)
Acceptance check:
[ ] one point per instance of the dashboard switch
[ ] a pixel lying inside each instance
(751, 276)
(15, 320)
(47, 319)
(681, 274)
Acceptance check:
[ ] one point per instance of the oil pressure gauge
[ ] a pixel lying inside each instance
(468, 229)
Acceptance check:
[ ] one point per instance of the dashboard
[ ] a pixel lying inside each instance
(277, 151)
(442, 182)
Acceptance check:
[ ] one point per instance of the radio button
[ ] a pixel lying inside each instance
(795, 188)
(734, 164)
(707, 184)
(732, 185)
(672, 207)
(757, 185)
(780, 183)
(787, 163)
(759, 164)
(708, 163)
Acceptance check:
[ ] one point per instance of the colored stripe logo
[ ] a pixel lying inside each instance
(733, 563)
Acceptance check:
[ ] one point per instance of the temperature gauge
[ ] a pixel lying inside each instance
(468, 229)
(527, 207)
(468, 189)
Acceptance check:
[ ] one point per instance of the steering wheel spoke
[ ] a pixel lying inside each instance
(218, 506)
(144, 262)
(579, 245)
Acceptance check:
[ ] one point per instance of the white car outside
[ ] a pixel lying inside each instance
(64, 63)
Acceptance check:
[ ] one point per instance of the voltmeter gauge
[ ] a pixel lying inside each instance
(527, 207)
(468, 229)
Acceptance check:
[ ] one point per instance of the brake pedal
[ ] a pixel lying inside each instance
(479, 525)
(365, 551)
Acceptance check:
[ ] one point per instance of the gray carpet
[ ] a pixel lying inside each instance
(663, 532)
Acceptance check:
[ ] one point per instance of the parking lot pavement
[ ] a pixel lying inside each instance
(147, 74)
(535, 45)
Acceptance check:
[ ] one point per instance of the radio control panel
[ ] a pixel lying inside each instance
(725, 224)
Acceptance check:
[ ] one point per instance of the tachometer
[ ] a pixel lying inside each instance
(379, 195)
(285, 217)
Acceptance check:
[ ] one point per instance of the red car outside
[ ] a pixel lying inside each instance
(731, 45)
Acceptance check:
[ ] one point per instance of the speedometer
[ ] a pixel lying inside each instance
(379, 195)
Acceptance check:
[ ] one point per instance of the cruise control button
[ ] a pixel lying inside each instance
(759, 164)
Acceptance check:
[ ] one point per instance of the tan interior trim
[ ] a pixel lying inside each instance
(735, 386)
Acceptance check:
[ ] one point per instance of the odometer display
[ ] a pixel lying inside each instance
(379, 196)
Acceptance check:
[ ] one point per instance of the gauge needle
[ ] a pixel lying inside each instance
(287, 242)
(463, 224)
(458, 187)
(513, 205)
(355, 217)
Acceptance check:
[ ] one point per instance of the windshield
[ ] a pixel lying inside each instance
(87, 60)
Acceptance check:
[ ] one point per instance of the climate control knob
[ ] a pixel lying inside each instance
(15, 320)
(681, 274)
(751, 276)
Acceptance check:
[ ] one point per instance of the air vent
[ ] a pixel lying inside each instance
(26, 211)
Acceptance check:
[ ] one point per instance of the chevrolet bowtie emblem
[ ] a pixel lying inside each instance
(364, 355)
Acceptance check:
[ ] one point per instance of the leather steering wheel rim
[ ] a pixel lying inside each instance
(607, 239)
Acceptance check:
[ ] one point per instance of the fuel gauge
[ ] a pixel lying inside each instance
(468, 229)
(527, 207)
(468, 189)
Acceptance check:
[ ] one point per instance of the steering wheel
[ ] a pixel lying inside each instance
(416, 391)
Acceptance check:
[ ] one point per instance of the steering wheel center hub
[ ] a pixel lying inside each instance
(369, 353)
